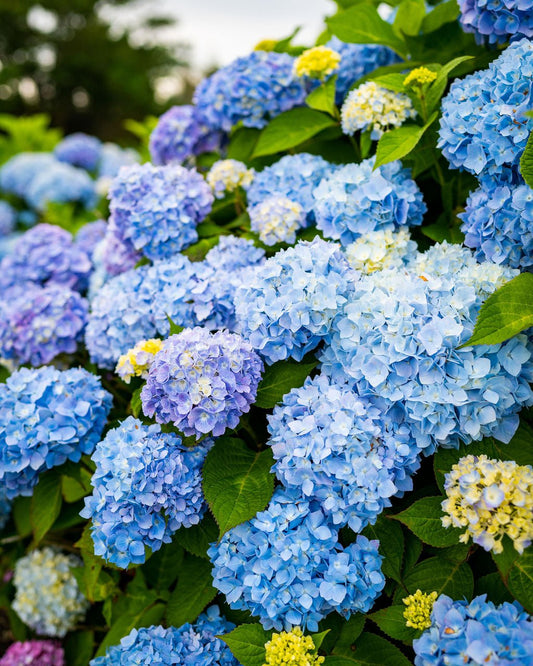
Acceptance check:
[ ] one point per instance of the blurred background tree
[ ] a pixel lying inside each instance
(78, 62)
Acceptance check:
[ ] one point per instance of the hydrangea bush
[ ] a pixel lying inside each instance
(266, 385)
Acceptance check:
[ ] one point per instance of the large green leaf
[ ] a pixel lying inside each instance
(517, 573)
(162, 568)
(398, 143)
(370, 650)
(138, 613)
(437, 88)
(443, 576)
(409, 17)
(323, 97)
(423, 518)
(193, 591)
(506, 312)
(362, 24)
(445, 12)
(391, 545)
(290, 129)
(46, 503)
(278, 379)
(526, 162)
(196, 539)
(247, 644)
(237, 481)
(392, 622)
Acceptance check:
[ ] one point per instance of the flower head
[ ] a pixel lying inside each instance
(60, 183)
(276, 219)
(227, 176)
(317, 62)
(418, 609)
(291, 647)
(8, 218)
(378, 250)
(80, 150)
(419, 77)
(38, 653)
(498, 21)
(136, 362)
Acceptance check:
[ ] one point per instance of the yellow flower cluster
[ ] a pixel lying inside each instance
(417, 612)
(291, 647)
(419, 76)
(490, 498)
(228, 175)
(377, 250)
(317, 62)
(136, 362)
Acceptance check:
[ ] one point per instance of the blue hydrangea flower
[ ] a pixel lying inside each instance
(276, 219)
(19, 172)
(115, 254)
(202, 382)
(354, 200)
(113, 157)
(8, 218)
(228, 176)
(157, 209)
(377, 250)
(498, 223)
(90, 235)
(39, 323)
(483, 128)
(341, 450)
(61, 183)
(47, 596)
(232, 253)
(286, 305)
(357, 60)
(294, 177)
(181, 134)
(398, 340)
(251, 90)
(478, 632)
(147, 485)
(47, 417)
(287, 567)
(497, 21)
(80, 150)
(195, 643)
(46, 255)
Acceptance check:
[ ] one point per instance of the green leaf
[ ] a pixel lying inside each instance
(526, 161)
(398, 143)
(392, 81)
(323, 97)
(437, 88)
(350, 631)
(446, 12)
(278, 379)
(423, 518)
(138, 613)
(242, 143)
(517, 573)
(318, 639)
(339, 660)
(493, 586)
(161, 570)
(443, 576)
(392, 622)
(193, 592)
(409, 17)
(21, 515)
(174, 329)
(290, 129)
(237, 481)
(371, 650)
(506, 312)
(247, 644)
(136, 406)
(362, 24)
(196, 539)
(79, 648)
(46, 504)
(391, 545)
(74, 489)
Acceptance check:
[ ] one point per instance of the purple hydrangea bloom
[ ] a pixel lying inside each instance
(35, 653)
(202, 382)
(18, 173)
(251, 90)
(156, 209)
(147, 485)
(80, 150)
(61, 183)
(180, 134)
(117, 255)
(8, 218)
(47, 417)
(497, 21)
(90, 235)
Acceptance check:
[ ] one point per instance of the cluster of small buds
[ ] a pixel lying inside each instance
(227, 176)
(291, 647)
(490, 499)
(136, 362)
(276, 220)
(419, 77)
(418, 607)
(317, 62)
(378, 250)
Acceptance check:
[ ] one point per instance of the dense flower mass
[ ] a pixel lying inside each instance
(80, 150)
(90, 235)
(476, 633)
(374, 109)
(47, 416)
(60, 183)
(8, 218)
(157, 209)
(291, 647)
(497, 21)
(146, 486)
(18, 173)
(112, 158)
(232, 253)
(227, 176)
(483, 128)
(136, 362)
(317, 62)
(418, 607)
(202, 382)
(356, 199)
(287, 566)
(286, 306)
(498, 223)
(251, 89)
(190, 644)
(181, 134)
(419, 77)
(378, 250)
(36, 653)
(276, 220)
(47, 597)
(490, 499)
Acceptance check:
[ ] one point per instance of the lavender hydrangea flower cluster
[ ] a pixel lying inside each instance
(497, 21)
(38, 653)
(181, 134)
(8, 218)
(287, 567)
(157, 209)
(146, 486)
(61, 183)
(90, 235)
(251, 89)
(47, 417)
(195, 643)
(286, 306)
(478, 632)
(80, 150)
(355, 200)
(202, 382)
(18, 173)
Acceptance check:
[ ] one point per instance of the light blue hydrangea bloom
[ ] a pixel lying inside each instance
(61, 183)
(355, 200)
(18, 173)
(473, 633)
(80, 150)
(113, 157)
(232, 253)
(157, 209)
(88, 237)
(483, 128)
(147, 485)
(47, 596)
(192, 644)
(287, 567)
(286, 306)
(276, 219)
(8, 218)
(202, 382)
(251, 89)
(497, 21)
(47, 417)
